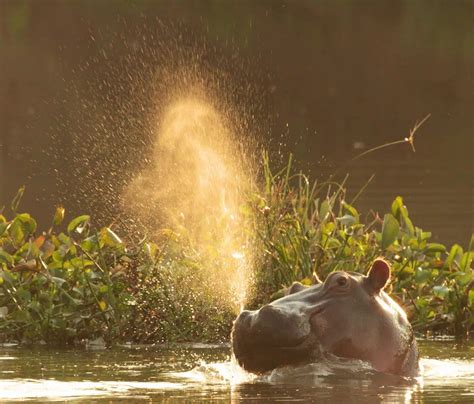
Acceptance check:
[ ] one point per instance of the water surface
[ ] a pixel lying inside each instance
(203, 372)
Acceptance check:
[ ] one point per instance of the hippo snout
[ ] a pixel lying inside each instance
(265, 338)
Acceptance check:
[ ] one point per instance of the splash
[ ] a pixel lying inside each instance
(195, 184)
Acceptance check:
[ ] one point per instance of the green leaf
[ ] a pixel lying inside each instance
(466, 261)
(324, 210)
(78, 224)
(399, 210)
(455, 252)
(23, 294)
(3, 227)
(347, 220)
(433, 248)
(90, 244)
(21, 227)
(409, 226)
(390, 230)
(109, 238)
(463, 278)
(58, 216)
(441, 291)
(351, 210)
(6, 258)
(16, 233)
(58, 281)
(422, 275)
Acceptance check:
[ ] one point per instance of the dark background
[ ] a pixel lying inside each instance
(325, 80)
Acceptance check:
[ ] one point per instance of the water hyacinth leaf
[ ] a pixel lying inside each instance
(90, 244)
(422, 275)
(58, 281)
(35, 306)
(71, 300)
(463, 278)
(6, 258)
(151, 249)
(3, 227)
(64, 239)
(454, 254)
(16, 200)
(23, 294)
(347, 220)
(409, 226)
(425, 235)
(351, 210)
(27, 222)
(399, 210)
(21, 316)
(58, 215)
(78, 224)
(16, 232)
(433, 248)
(109, 238)
(390, 230)
(441, 291)
(278, 294)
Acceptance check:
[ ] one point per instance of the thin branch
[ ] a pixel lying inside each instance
(410, 139)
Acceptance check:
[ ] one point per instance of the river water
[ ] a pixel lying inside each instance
(194, 373)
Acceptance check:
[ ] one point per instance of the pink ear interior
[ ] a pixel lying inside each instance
(379, 274)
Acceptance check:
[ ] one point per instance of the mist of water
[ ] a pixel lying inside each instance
(194, 185)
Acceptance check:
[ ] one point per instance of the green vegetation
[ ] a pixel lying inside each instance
(81, 283)
(310, 228)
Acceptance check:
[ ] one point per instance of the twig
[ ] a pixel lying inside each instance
(410, 139)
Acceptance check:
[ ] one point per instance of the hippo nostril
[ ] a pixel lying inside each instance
(270, 315)
(242, 322)
(267, 308)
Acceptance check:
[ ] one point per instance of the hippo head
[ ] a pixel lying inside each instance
(349, 315)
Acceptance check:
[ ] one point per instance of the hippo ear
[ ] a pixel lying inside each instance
(379, 274)
(294, 288)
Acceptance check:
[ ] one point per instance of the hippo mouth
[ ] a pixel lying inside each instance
(260, 352)
(261, 358)
(289, 340)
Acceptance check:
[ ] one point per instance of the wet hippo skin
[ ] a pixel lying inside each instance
(349, 315)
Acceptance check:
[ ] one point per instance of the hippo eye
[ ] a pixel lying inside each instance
(342, 281)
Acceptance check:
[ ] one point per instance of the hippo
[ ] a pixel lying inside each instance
(348, 315)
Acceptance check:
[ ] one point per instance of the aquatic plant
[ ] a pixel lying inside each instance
(74, 283)
(81, 284)
(59, 287)
(308, 230)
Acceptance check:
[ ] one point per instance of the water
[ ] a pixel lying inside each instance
(204, 372)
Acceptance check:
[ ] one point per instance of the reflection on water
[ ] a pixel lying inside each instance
(200, 373)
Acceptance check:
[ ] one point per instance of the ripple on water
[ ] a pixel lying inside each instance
(149, 375)
(20, 389)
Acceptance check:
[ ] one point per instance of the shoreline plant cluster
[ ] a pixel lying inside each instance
(79, 284)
